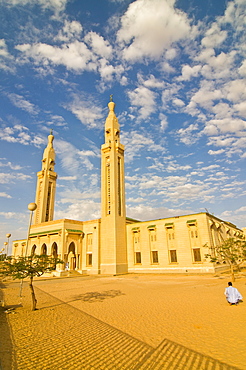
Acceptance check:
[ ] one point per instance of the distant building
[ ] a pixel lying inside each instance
(115, 244)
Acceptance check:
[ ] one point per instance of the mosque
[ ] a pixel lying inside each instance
(115, 244)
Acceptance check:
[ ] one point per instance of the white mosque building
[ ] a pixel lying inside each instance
(115, 244)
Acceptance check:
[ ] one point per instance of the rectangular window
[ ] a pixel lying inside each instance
(197, 254)
(155, 257)
(173, 256)
(137, 257)
(89, 242)
(89, 259)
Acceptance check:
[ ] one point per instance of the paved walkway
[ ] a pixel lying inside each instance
(59, 336)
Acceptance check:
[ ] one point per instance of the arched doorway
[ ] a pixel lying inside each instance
(71, 259)
(54, 250)
(33, 250)
(44, 249)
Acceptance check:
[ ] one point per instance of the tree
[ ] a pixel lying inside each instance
(2, 257)
(29, 267)
(231, 251)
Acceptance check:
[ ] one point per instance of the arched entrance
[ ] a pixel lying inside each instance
(54, 250)
(33, 250)
(71, 259)
(44, 249)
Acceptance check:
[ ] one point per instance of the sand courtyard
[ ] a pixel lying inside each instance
(144, 321)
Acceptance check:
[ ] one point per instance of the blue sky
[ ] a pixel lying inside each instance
(177, 72)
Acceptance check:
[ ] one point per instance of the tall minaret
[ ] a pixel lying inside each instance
(46, 185)
(113, 256)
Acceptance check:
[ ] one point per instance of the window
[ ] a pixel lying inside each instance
(89, 242)
(173, 256)
(155, 257)
(197, 254)
(137, 257)
(89, 259)
(152, 237)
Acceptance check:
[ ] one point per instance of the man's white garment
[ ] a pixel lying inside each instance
(232, 294)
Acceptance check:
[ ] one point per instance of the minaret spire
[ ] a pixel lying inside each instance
(46, 185)
(113, 220)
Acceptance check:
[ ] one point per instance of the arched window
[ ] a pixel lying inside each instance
(33, 250)
(71, 248)
(44, 249)
(54, 250)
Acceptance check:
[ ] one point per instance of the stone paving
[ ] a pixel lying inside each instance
(59, 336)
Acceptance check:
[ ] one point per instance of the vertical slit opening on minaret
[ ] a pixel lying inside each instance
(119, 186)
(108, 187)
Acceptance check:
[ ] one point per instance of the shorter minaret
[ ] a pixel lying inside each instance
(113, 256)
(46, 185)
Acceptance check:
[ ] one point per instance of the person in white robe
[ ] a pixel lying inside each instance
(232, 294)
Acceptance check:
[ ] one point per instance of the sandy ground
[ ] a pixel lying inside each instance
(124, 322)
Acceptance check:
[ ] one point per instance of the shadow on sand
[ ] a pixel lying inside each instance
(7, 357)
(173, 356)
(92, 297)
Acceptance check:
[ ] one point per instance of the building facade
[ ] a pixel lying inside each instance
(115, 244)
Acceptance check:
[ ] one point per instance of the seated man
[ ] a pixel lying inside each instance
(232, 295)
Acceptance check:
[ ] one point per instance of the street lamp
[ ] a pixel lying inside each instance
(7, 236)
(32, 207)
(5, 249)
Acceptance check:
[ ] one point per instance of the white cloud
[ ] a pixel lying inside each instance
(226, 125)
(106, 70)
(19, 134)
(178, 102)
(87, 113)
(68, 178)
(151, 82)
(214, 36)
(165, 67)
(241, 209)
(9, 215)
(169, 94)
(188, 72)
(6, 178)
(171, 54)
(149, 27)
(242, 69)
(10, 165)
(98, 45)
(55, 5)
(216, 152)
(206, 95)
(74, 56)
(5, 195)
(140, 211)
(136, 143)
(70, 31)
(20, 102)
(145, 99)
(189, 135)
(235, 90)
(6, 59)
(68, 156)
(56, 120)
(80, 210)
(241, 108)
(74, 161)
(164, 122)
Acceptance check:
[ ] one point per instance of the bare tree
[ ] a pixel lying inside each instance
(231, 251)
(28, 267)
